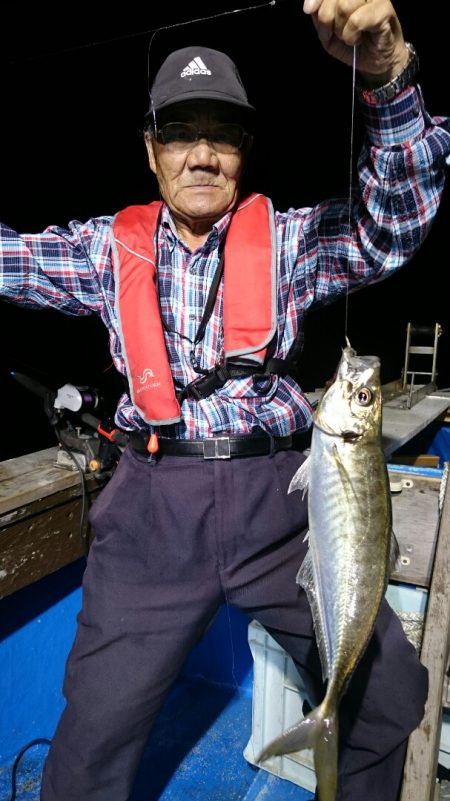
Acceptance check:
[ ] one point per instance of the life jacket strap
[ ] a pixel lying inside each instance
(204, 386)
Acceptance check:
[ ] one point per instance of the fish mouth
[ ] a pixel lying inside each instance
(348, 435)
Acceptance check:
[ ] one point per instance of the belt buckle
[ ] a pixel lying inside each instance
(217, 448)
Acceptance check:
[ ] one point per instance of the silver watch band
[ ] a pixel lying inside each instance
(381, 94)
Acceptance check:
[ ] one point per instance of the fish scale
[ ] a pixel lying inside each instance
(333, 518)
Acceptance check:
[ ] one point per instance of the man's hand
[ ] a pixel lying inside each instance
(371, 25)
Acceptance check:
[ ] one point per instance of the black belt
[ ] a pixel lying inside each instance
(220, 447)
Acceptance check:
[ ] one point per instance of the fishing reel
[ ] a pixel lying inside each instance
(76, 399)
(86, 442)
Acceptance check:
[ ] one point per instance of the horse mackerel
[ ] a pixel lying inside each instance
(351, 548)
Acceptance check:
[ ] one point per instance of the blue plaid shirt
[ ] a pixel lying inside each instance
(321, 250)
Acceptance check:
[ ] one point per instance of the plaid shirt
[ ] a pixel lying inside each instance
(321, 251)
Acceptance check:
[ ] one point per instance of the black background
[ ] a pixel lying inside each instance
(74, 93)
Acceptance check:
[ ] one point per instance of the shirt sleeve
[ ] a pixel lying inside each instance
(65, 269)
(367, 236)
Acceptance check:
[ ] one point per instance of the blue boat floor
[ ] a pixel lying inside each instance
(195, 753)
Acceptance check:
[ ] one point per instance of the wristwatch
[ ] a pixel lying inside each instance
(381, 94)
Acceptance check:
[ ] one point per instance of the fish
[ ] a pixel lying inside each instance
(351, 548)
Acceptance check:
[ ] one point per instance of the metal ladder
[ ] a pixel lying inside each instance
(413, 333)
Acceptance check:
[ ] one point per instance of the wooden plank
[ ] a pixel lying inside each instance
(27, 478)
(46, 503)
(40, 507)
(419, 781)
(43, 536)
(415, 522)
(39, 545)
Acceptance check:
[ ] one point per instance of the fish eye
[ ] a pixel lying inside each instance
(363, 396)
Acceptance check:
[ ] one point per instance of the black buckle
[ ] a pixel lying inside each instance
(203, 386)
(217, 448)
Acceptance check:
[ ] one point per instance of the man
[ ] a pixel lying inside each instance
(204, 296)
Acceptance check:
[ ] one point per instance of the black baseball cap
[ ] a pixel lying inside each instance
(198, 73)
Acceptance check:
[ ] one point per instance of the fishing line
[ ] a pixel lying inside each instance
(232, 649)
(350, 183)
(152, 31)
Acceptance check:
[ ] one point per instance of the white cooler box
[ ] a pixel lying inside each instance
(278, 693)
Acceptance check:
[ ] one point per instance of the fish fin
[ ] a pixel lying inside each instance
(305, 578)
(305, 575)
(300, 479)
(326, 759)
(394, 556)
(320, 732)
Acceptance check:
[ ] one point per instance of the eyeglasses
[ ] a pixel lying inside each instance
(225, 137)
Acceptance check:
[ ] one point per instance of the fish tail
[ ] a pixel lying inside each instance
(319, 731)
(326, 757)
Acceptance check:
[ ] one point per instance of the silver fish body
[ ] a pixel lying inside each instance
(347, 567)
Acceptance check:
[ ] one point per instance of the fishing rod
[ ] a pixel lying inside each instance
(152, 31)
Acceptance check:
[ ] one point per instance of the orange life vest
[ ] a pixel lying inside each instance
(250, 310)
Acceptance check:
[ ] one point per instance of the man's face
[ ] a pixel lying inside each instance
(199, 179)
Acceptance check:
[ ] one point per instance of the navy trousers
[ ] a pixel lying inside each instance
(175, 539)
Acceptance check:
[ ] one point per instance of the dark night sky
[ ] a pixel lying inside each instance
(74, 94)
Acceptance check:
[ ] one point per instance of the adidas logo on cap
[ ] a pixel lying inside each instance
(195, 67)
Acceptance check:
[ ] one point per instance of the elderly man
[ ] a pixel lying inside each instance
(204, 294)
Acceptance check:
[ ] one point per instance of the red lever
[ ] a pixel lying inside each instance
(108, 434)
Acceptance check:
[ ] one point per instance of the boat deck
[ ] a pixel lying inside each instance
(195, 753)
(196, 749)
